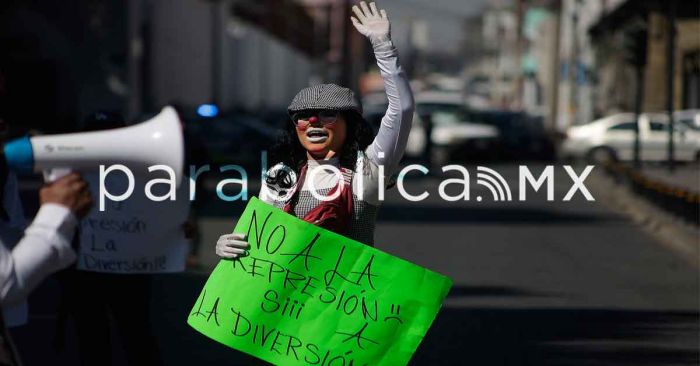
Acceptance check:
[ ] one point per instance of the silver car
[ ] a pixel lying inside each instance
(452, 135)
(612, 138)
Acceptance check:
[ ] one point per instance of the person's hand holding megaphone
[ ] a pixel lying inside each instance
(70, 191)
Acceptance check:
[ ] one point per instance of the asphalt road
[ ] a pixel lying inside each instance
(535, 283)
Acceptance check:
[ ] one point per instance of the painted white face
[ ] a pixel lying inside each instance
(321, 138)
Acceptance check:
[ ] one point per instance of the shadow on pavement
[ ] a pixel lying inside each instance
(459, 336)
(480, 336)
(490, 215)
(508, 214)
(552, 336)
(459, 291)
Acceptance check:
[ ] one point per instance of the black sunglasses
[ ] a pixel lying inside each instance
(325, 116)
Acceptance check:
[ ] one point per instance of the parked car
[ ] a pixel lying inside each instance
(374, 107)
(689, 117)
(612, 138)
(453, 135)
(523, 136)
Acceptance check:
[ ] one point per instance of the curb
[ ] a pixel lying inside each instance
(671, 231)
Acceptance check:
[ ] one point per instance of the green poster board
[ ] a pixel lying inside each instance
(308, 296)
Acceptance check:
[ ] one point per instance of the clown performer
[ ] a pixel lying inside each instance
(328, 169)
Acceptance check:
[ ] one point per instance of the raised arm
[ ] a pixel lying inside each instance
(389, 145)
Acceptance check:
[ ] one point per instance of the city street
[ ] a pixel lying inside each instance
(535, 283)
(152, 102)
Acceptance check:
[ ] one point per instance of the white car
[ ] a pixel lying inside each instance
(452, 134)
(690, 117)
(612, 138)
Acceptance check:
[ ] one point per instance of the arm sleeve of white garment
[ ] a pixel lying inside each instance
(389, 144)
(44, 249)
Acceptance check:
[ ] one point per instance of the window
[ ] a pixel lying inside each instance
(689, 123)
(658, 126)
(442, 118)
(444, 113)
(624, 126)
(681, 125)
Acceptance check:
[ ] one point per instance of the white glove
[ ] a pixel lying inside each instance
(371, 23)
(232, 246)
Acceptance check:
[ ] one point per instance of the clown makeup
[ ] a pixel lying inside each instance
(321, 133)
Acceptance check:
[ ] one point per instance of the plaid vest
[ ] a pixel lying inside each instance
(334, 215)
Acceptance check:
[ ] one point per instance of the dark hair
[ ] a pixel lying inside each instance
(289, 151)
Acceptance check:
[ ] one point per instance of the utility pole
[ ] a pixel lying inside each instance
(322, 27)
(554, 85)
(216, 11)
(639, 72)
(135, 48)
(519, 54)
(573, 65)
(346, 78)
(670, 71)
(635, 45)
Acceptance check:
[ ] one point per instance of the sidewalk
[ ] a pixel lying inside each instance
(685, 176)
(673, 231)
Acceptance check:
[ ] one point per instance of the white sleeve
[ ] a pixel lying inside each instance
(396, 124)
(44, 249)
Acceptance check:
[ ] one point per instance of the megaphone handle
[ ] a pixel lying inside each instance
(51, 175)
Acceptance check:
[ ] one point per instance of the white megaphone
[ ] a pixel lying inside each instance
(158, 141)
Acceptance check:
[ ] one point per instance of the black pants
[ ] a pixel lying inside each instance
(97, 300)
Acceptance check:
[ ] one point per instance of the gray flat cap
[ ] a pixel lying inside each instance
(325, 96)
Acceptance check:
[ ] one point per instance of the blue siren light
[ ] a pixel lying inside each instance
(207, 110)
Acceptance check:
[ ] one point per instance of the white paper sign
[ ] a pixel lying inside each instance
(136, 235)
